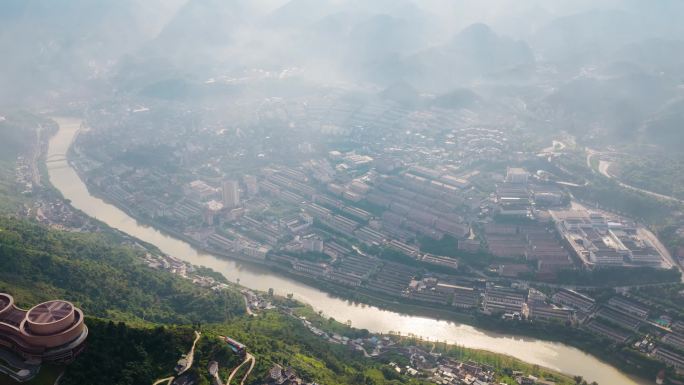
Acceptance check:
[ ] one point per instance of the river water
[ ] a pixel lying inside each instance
(553, 355)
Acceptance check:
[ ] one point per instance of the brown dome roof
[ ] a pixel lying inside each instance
(5, 300)
(50, 312)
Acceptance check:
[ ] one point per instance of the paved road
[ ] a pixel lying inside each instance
(590, 154)
(167, 380)
(189, 358)
(234, 372)
(604, 169)
(249, 358)
(251, 367)
(217, 378)
(191, 355)
(249, 310)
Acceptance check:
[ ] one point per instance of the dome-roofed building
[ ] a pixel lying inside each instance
(50, 331)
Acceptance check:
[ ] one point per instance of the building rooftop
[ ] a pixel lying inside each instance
(50, 312)
(52, 330)
(5, 300)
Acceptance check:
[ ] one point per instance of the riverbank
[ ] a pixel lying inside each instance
(629, 362)
(312, 320)
(641, 367)
(557, 356)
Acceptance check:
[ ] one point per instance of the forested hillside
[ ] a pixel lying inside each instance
(102, 277)
(120, 354)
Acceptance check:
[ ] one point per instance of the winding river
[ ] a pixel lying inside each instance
(553, 355)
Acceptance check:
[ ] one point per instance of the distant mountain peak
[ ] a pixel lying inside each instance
(476, 30)
(401, 92)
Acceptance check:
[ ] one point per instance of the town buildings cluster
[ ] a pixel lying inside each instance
(338, 202)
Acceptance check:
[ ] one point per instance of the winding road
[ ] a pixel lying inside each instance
(247, 307)
(191, 354)
(167, 380)
(604, 167)
(248, 358)
(189, 358)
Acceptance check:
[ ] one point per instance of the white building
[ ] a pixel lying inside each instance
(516, 175)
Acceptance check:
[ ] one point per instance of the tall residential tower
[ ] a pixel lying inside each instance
(231, 194)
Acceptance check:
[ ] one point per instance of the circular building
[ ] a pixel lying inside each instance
(6, 302)
(53, 330)
(50, 317)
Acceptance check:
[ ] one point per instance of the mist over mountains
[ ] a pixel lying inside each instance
(57, 47)
(606, 69)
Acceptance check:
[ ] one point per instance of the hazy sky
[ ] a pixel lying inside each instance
(66, 41)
